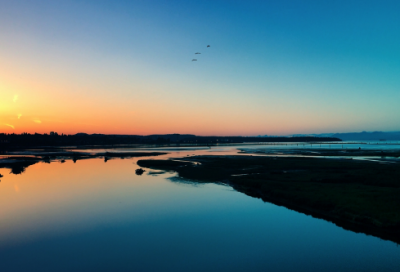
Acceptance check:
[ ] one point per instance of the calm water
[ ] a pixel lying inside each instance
(97, 216)
(364, 145)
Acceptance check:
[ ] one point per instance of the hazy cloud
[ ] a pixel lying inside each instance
(37, 121)
(15, 98)
(19, 116)
(11, 126)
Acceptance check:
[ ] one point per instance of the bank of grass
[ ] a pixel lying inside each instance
(358, 195)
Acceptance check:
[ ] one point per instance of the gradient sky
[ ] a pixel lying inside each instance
(274, 67)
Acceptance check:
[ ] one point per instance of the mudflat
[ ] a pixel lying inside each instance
(19, 162)
(362, 196)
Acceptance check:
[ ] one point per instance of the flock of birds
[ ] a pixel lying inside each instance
(198, 53)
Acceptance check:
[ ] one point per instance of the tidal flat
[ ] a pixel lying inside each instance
(19, 162)
(232, 212)
(361, 196)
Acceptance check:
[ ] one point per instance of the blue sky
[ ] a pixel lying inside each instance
(274, 67)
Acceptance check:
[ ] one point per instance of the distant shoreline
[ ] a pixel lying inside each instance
(54, 140)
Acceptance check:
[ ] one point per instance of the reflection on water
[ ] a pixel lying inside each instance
(96, 216)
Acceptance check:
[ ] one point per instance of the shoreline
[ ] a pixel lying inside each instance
(357, 227)
(360, 196)
(18, 163)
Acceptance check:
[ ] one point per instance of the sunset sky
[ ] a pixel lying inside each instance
(273, 67)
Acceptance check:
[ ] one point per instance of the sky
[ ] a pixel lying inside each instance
(272, 68)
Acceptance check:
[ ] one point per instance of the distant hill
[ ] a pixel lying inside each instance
(368, 136)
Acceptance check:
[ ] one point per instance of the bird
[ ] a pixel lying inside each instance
(194, 59)
(208, 46)
(197, 53)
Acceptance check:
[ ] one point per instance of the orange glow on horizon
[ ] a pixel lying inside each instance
(37, 105)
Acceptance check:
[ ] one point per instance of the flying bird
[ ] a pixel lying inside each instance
(194, 59)
(197, 53)
(208, 45)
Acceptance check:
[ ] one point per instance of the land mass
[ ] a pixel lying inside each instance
(358, 195)
(26, 140)
(18, 163)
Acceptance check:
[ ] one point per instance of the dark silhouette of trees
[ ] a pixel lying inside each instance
(25, 140)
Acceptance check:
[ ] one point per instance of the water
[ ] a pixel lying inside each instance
(97, 216)
(364, 145)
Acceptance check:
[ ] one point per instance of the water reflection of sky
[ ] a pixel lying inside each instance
(375, 145)
(95, 216)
